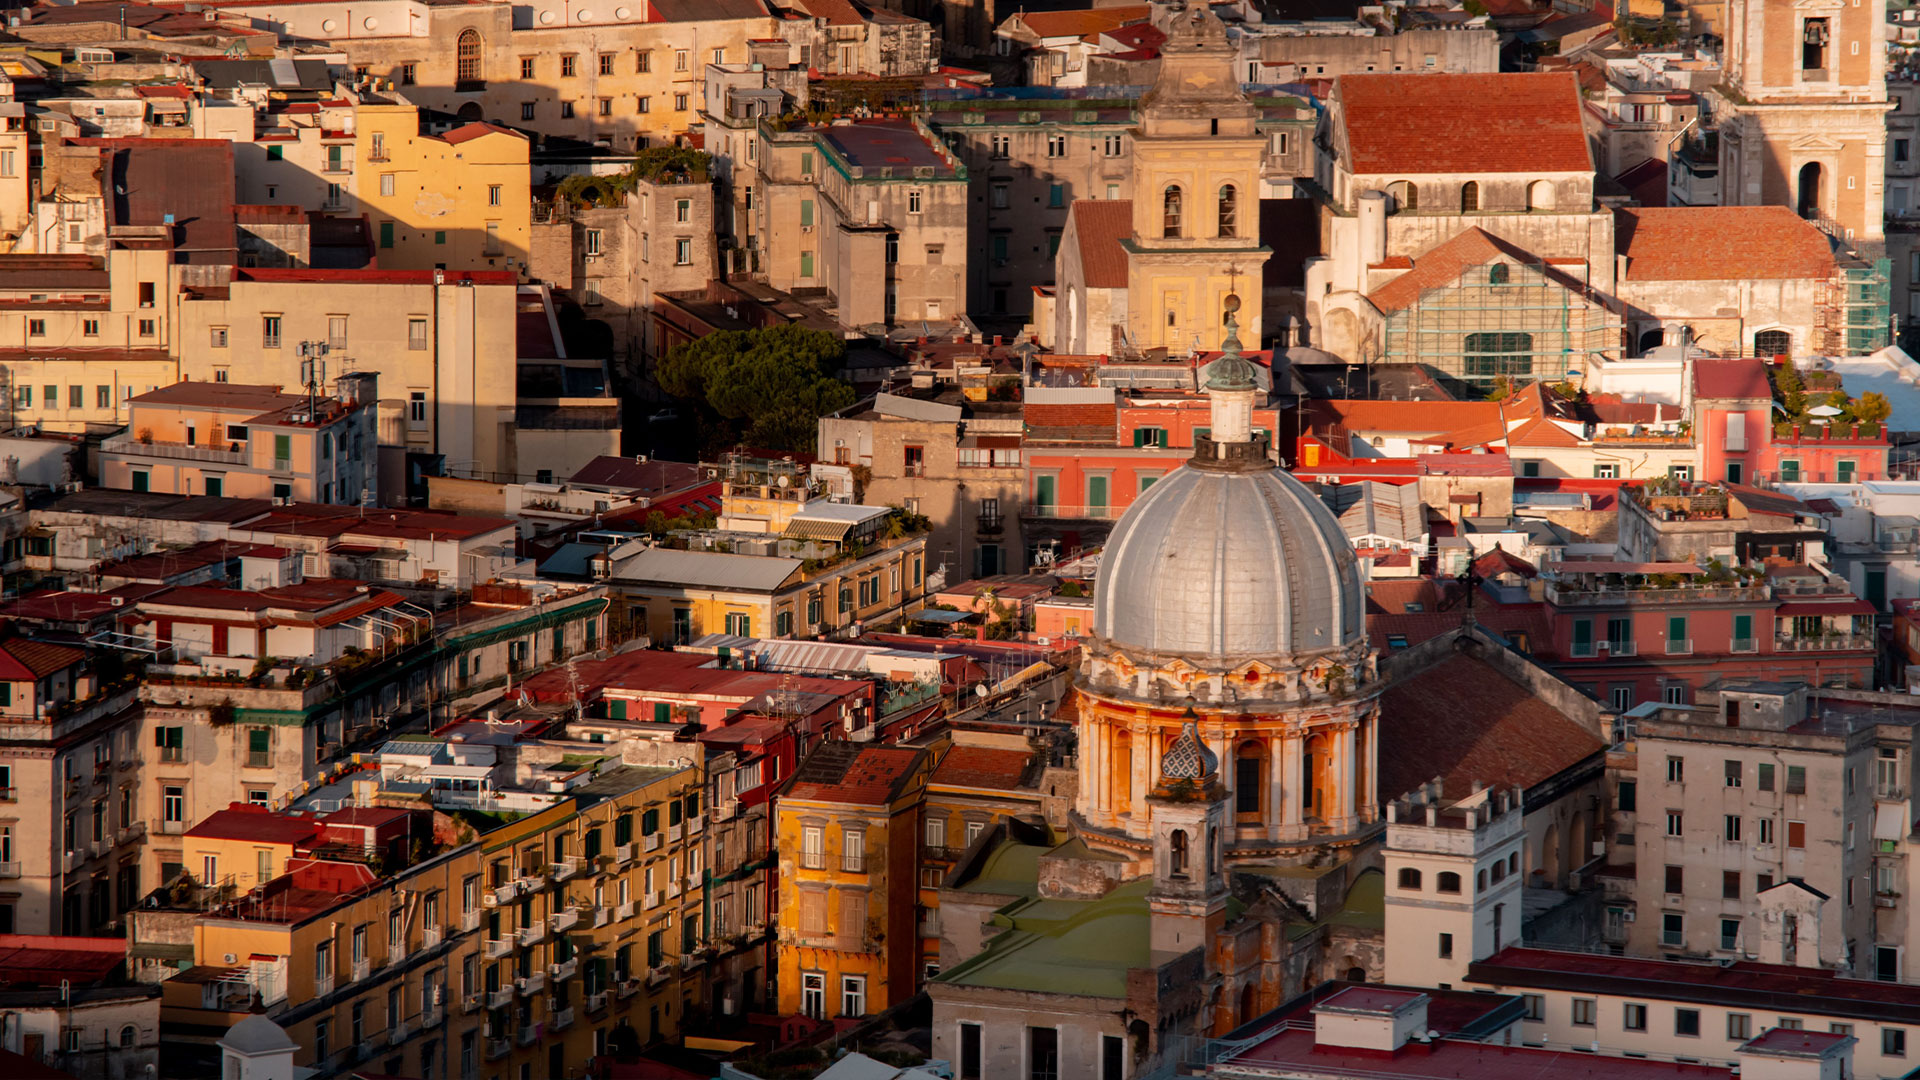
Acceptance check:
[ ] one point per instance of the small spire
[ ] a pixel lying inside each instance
(1230, 371)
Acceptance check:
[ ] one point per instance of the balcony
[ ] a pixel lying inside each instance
(652, 900)
(399, 1034)
(134, 447)
(565, 969)
(1057, 511)
(563, 1019)
(431, 937)
(72, 860)
(566, 920)
(530, 985)
(131, 833)
(853, 864)
(172, 828)
(1566, 594)
(502, 896)
(469, 922)
(651, 842)
(1618, 648)
(1744, 644)
(596, 1002)
(9, 869)
(1824, 643)
(431, 1017)
(501, 998)
(497, 948)
(469, 86)
(528, 1035)
(696, 824)
(693, 883)
(533, 933)
(990, 523)
(323, 984)
(563, 868)
(102, 847)
(531, 881)
(622, 854)
(674, 832)
(626, 988)
(1679, 646)
(362, 968)
(498, 1048)
(813, 860)
(673, 887)
(473, 1003)
(602, 915)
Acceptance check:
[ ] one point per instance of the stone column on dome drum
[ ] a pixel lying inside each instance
(1291, 825)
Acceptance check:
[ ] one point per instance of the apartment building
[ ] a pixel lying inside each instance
(1773, 784)
(442, 343)
(455, 201)
(68, 841)
(249, 442)
(1739, 441)
(91, 332)
(848, 827)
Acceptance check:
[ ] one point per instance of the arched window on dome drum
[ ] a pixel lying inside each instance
(1249, 779)
(1410, 878)
(1121, 776)
(1177, 854)
(1229, 210)
(468, 53)
(1469, 197)
(1170, 210)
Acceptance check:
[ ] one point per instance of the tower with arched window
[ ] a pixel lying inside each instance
(1196, 161)
(1189, 895)
(1454, 870)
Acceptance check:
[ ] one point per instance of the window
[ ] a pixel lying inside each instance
(1170, 211)
(1730, 884)
(417, 409)
(1446, 946)
(1673, 929)
(90, 327)
(1676, 770)
(1056, 146)
(1584, 1012)
(36, 328)
(1410, 878)
(218, 337)
(1733, 828)
(1469, 197)
(1675, 879)
(1626, 797)
(1739, 1026)
(259, 748)
(1814, 37)
(1112, 146)
(1893, 1042)
(1043, 1053)
(1229, 210)
(467, 63)
(1489, 355)
(680, 102)
(1796, 834)
(853, 995)
(813, 994)
(173, 805)
(1447, 882)
(1796, 779)
(1765, 826)
(566, 110)
(171, 742)
(683, 252)
(1686, 1022)
(970, 1052)
(1675, 824)
(1763, 778)
(270, 331)
(1772, 343)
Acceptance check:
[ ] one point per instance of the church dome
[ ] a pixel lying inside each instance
(1219, 566)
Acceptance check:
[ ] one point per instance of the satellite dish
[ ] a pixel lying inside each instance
(980, 690)
(783, 481)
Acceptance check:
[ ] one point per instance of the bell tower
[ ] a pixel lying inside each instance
(1196, 207)
(1805, 123)
(1188, 903)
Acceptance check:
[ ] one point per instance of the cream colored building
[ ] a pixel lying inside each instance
(454, 201)
(443, 346)
(84, 333)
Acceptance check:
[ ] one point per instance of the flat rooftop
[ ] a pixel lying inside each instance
(888, 144)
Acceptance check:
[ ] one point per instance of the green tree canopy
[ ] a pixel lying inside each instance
(767, 388)
(1872, 408)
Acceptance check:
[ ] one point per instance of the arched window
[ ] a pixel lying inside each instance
(1177, 854)
(1249, 778)
(129, 1035)
(1469, 197)
(1480, 881)
(1497, 274)
(1447, 882)
(468, 69)
(1513, 863)
(1229, 210)
(1170, 208)
(1499, 871)
(1405, 195)
(1409, 878)
(1540, 195)
(1772, 343)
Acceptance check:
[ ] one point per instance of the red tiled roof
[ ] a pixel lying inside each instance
(1076, 416)
(1083, 22)
(983, 767)
(1745, 982)
(320, 276)
(1101, 224)
(40, 960)
(1506, 123)
(1442, 265)
(256, 824)
(1464, 721)
(1720, 243)
(469, 132)
(1723, 380)
(1404, 417)
(852, 773)
(1541, 432)
(23, 659)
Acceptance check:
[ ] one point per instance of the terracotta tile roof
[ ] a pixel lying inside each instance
(468, 132)
(241, 821)
(1492, 431)
(983, 767)
(1442, 265)
(1501, 561)
(1101, 224)
(853, 773)
(1081, 23)
(1527, 123)
(1726, 379)
(1464, 721)
(22, 659)
(1072, 423)
(1720, 243)
(1541, 432)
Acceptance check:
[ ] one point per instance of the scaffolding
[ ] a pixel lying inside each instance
(1502, 320)
(1855, 316)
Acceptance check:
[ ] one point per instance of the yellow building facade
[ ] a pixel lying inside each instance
(455, 201)
(847, 833)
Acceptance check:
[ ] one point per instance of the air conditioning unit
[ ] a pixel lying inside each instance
(1626, 916)
(806, 178)
(230, 958)
(1043, 642)
(1601, 645)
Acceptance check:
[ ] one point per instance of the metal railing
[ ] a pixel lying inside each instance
(1824, 643)
(127, 444)
(1060, 510)
(1679, 646)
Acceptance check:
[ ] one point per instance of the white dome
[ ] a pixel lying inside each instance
(1222, 565)
(257, 1035)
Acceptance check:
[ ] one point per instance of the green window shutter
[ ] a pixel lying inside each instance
(283, 446)
(257, 740)
(618, 709)
(806, 264)
(386, 234)
(1043, 490)
(1139, 438)
(650, 823)
(1743, 627)
(1161, 442)
(662, 712)
(1582, 635)
(1676, 628)
(806, 212)
(440, 236)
